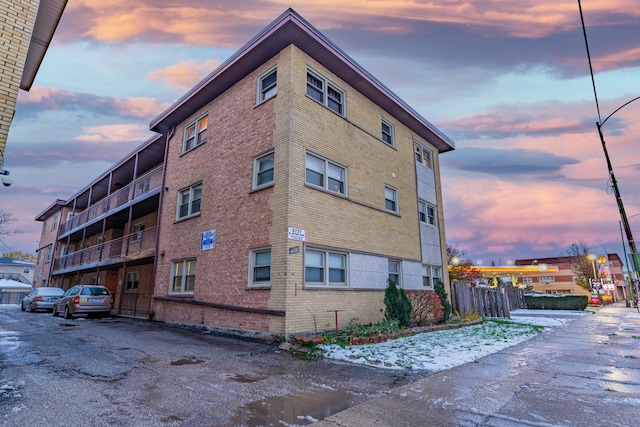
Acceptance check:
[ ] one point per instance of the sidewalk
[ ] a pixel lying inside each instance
(586, 373)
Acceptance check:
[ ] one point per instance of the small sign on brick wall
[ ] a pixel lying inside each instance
(296, 234)
(208, 240)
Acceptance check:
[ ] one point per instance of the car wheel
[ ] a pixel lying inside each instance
(21, 307)
(53, 310)
(67, 315)
(31, 309)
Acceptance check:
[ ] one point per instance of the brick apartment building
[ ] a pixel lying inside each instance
(287, 186)
(564, 281)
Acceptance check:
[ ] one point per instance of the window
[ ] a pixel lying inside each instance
(99, 242)
(25, 270)
(390, 199)
(325, 92)
(54, 223)
(133, 277)
(260, 265)
(183, 276)
(426, 276)
(387, 133)
(137, 231)
(527, 280)
(423, 155)
(546, 279)
(49, 253)
(142, 186)
(325, 268)
(189, 201)
(430, 275)
(195, 134)
(427, 213)
(263, 170)
(326, 174)
(267, 87)
(394, 271)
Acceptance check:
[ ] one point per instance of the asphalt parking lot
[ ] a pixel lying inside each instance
(126, 372)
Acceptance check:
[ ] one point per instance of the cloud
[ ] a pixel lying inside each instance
(108, 143)
(514, 161)
(46, 99)
(507, 218)
(184, 75)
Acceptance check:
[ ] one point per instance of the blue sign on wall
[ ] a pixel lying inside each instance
(208, 240)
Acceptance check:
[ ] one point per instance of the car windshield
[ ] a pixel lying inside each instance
(94, 291)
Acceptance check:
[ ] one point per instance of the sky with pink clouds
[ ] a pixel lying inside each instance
(507, 81)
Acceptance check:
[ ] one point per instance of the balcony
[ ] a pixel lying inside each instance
(139, 188)
(129, 248)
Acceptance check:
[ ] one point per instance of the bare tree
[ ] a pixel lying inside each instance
(6, 229)
(580, 263)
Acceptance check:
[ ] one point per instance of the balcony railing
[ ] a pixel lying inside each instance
(133, 246)
(137, 188)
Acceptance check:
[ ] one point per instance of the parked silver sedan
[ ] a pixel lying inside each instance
(84, 299)
(41, 299)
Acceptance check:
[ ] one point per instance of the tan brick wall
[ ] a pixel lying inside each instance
(16, 25)
(357, 223)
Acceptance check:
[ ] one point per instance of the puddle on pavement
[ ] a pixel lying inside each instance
(302, 409)
(244, 379)
(181, 362)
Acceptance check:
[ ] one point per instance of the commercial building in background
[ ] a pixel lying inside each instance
(608, 269)
(281, 193)
(26, 29)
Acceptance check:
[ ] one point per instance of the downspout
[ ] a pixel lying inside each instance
(160, 200)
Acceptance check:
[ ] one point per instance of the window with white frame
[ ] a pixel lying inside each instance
(325, 268)
(387, 133)
(133, 277)
(263, 166)
(267, 85)
(546, 279)
(324, 173)
(394, 271)
(430, 275)
(325, 92)
(390, 199)
(54, 223)
(423, 155)
(527, 280)
(189, 201)
(49, 253)
(183, 276)
(435, 275)
(195, 134)
(260, 267)
(427, 213)
(137, 231)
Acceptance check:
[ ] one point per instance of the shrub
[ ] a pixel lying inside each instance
(557, 302)
(427, 308)
(444, 299)
(397, 304)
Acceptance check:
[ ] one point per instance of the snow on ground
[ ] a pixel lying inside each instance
(440, 350)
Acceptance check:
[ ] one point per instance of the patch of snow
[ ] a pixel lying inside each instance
(440, 350)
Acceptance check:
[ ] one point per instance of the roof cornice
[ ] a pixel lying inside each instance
(46, 22)
(290, 28)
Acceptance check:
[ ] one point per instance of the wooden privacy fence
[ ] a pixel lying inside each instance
(495, 302)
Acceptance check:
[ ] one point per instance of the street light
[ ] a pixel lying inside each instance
(623, 216)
